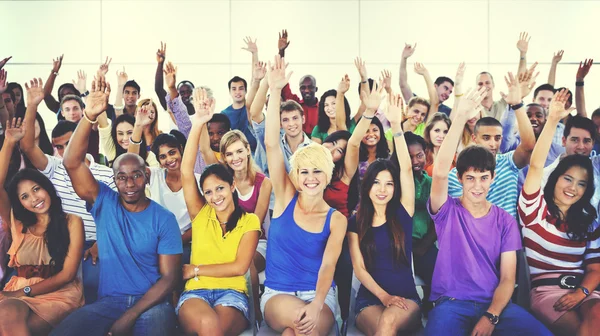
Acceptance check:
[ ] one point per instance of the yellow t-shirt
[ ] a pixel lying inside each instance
(210, 247)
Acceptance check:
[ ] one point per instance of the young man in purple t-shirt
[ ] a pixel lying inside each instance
(475, 271)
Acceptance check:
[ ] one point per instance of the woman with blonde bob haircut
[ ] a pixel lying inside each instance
(306, 234)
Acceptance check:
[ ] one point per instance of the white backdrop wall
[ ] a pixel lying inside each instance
(205, 38)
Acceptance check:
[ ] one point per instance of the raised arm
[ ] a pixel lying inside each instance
(524, 149)
(364, 85)
(404, 87)
(119, 104)
(206, 152)
(4, 116)
(142, 120)
(256, 109)
(340, 107)
(161, 54)
(52, 104)
(283, 42)
(84, 183)
(35, 95)
(252, 48)
(395, 111)
(582, 71)
(283, 187)
(13, 133)
(467, 108)
(205, 108)
(555, 60)
(434, 100)
(458, 87)
(523, 45)
(4, 61)
(527, 83)
(544, 142)
(258, 73)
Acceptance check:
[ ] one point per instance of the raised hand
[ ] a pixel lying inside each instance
(57, 63)
(344, 85)
(97, 100)
(557, 105)
(584, 68)
(460, 72)
(514, 90)
(527, 80)
(283, 42)
(142, 116)
(170, 75)
(259, 71)
(4, 61)
(121, 77)
(362, 68)
(277, 77)
(420, 69)
(80, 84)
(387, 80)
(523, 42)
(35, 92)
(103, 70)
(204, 106)
(409, 50)
(470, 104)
(395, 109)
(372, 99)
(161, 53)
(3, 80)
(250, 45)
(557, 56)
(14, 132)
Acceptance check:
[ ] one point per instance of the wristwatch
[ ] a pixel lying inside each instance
(584, 290)
(27, 290)
(494, 319)
(517, 106)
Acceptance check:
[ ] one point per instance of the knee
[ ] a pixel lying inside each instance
(387, 324)
(203, 325)
(12, 314)
(593, 314)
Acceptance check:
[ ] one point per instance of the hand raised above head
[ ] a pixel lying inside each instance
(35, 91)
(161, 54)
(408, 50)
(344, 85)
(282, 42)
(523, 42)
(103, 69)
(557, 107)
(170, 75)
(204, 106)
(97, 100)
(277, 76)
(57, 63)
(250, 45)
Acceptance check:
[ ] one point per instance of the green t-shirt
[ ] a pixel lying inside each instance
(420, 130)
(317, 134)
(422, 222)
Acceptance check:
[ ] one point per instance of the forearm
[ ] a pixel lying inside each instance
(509, 137)
(525, 130)
(180, 113)
(580, 100)
(324, 281)
(119, 104)
(136, 136)
(542, 147)
(5, 155)
(591, 280)
(226, 270)
(51, 103)
(552, 73)
(252, 91)
(502, 296)
(54, 282)
(434, 100)
(159, 84)
(186, 237)
(206, 152)
(156, 294)
(4, 117)
(404, 87)
(340, 112)
(361, 129)
(272, 121)
(28, 141)
(75, 153)
(370, 284)
(522, 63)
(189, 155)
(256, 108)
(445, 156)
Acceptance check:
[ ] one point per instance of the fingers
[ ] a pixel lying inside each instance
(86, 254)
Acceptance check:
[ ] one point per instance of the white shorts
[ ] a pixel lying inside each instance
(306, 296)
(262, 248)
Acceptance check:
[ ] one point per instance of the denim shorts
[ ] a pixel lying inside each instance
(365, 302)
(217, 297)
(306, 296)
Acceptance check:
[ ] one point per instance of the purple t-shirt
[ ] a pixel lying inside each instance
(468, 263)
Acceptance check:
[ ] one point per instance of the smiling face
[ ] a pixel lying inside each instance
(311, 181)
(329, 107)
(544, 97)
(238, 92)
(72, 111)
(218, 193)
(487, 81)
(237, 156)
(216, 130)
(169, 158)
(444, 91)
(416, 114)
(130, 179)
(438, 133)
(476, 185)
(33, 197)
(308, 88)
(372, 136)
(130, 96)
(337, 148)
(291, 122)
(570, 187)
(579, 141)
(489, 137)
(185, 91)
(537, 118)
(124, 132)
(382, 189)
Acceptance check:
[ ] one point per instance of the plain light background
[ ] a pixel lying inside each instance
(204, 39)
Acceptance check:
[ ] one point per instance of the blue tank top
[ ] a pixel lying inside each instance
(294, 256)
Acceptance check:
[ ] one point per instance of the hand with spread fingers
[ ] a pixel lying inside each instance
(204, 106)
(35, 92)
(387, 80)
(250, 45)
(527, 80)
(14, 132)
(557, 108)
(523, 42)
(283, 42)
(557, 56)
(362, 69)
(470, 104)
(97, 100)
(80, 84)
(372, 99)
(395, 109)
(584, 68)
(344, 85)
(260, 70)
(277, 76)
(514, 90)
(170, 75)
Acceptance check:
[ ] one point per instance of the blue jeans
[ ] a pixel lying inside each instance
(91, 275)
(97, 318)
(458, 317)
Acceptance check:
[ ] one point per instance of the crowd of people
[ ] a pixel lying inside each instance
(111, 226)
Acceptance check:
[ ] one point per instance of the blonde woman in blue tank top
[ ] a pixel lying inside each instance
(305, 236)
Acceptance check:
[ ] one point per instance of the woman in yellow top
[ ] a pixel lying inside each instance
(224, 238)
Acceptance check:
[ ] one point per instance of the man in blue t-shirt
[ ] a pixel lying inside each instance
(138, 241)
(238, 111)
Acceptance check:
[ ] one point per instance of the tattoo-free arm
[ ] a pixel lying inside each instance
(256, 109)
(159, 85)
(502, 294)
(52, 104)
(84, 183)
(193, 199)
(28, 147)
(525, 148)
(360, 270)
(407, 92)
(406, 173)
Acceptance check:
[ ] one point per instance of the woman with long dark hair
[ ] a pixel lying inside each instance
(46, 249)
(17, 89)
(434, 134)
(224, 238)
(380, 239)
(115, 136)
(561, 236)
(329, 104)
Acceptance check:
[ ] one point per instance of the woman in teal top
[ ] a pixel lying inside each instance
(329, 106)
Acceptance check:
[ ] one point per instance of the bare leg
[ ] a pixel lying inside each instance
(590, 324)
(37, 325)
(231, 320)
(198, 318)
(368, 319)
(280, 313)
(257, 266)
(567, 324)
(14, 314)
(395, 319)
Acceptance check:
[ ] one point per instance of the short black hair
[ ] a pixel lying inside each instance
(570, 99)
(68, 86)
(486, 121)
(236, 79)
(440, 80)
(134, 85)
(583, 123)
(63, 127)
(185, 82)
(371, 83)
(543, 87)
(221, 118)
(475, 157)
(414, 139)
(166, 139)
(596, 113)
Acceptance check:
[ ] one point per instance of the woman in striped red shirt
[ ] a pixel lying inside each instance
(561, 237)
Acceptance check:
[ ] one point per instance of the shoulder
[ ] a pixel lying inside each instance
(74, 222)
(338, 221)
(249, 221)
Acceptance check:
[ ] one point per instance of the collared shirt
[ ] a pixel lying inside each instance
(311, 112)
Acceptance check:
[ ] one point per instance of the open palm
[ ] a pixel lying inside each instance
(16, 131)
(204, 106)
(97, 100)
(35, 92)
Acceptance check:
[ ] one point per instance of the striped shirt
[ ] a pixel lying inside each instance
(71, 203)
(503, 190)
(548, 248)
